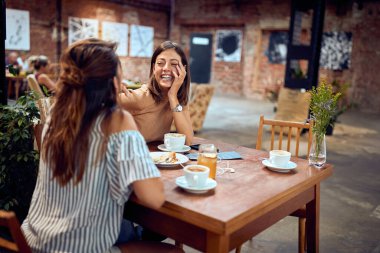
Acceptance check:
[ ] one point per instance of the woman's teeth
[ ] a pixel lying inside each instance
(166, 77)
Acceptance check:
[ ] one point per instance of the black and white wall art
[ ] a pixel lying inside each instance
(18, 33)
(82, 28)
(277, 48)
(228, 45)
(141, 44)
(116, 32)
(336, 50)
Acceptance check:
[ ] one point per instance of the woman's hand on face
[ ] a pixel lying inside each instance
(179, 77)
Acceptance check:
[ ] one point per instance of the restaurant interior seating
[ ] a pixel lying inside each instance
(286, 130)
(17, 242)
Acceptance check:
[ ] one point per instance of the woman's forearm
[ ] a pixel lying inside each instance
(184, 125)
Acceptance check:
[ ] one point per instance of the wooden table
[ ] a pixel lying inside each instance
(18, 80)
(243, 204)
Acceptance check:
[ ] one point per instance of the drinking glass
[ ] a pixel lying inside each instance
(208, 157)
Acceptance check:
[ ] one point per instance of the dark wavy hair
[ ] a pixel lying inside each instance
(41, 61)
(183, 93)
(85, 89)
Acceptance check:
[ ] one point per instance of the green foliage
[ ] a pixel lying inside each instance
(18, 161)
(323, 107)
(13, 70)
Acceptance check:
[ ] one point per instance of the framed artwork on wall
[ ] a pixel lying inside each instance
(228, 45)
(18, 30)
(116, 32)
(277, 48)
(336, 50)
(82, 28)
(141, 41)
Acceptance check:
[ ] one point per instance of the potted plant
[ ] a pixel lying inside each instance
(19, 160)
(323, 108)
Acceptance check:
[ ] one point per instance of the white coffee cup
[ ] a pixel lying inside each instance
(196, 175)
(279, 158)
(174, 141)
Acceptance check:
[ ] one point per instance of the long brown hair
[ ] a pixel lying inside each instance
(85, 89)
(183, 93)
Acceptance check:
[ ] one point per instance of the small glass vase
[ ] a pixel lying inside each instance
(317, 156)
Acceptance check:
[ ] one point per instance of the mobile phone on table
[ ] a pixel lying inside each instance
(196, 147)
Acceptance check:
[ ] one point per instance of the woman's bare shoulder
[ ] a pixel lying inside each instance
(121, 120)
(43, 78)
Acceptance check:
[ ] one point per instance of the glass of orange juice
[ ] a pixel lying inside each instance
(208, 157)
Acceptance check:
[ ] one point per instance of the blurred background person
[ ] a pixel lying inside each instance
(41, 67)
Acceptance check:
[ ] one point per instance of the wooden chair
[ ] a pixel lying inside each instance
(199, 103)
(43, 105)
(200, 98)
(287, 127)
(34, 86)
(18, 243)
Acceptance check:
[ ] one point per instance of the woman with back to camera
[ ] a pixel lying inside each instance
(92, 159)
(165, 98)
(41, 65)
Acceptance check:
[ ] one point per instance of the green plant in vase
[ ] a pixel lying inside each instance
(323, 107)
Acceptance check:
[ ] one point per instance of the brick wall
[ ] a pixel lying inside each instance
(41, 26)
(42, 22)
(253, 76)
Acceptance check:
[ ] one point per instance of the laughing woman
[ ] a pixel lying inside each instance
(165, 98)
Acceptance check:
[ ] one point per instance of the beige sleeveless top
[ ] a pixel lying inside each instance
(153, 120)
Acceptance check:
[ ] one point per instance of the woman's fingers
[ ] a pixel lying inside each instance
(181, 71)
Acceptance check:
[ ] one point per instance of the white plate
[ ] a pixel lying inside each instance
(290, 166)
(181, 159)
(210, 184)
(181, 150)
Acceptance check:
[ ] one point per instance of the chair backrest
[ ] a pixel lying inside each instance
(283, 126)
(199, 102)
(18, 244)
(33, 85)
(44, 105)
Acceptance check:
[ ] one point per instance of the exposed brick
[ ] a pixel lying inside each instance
(253, 18)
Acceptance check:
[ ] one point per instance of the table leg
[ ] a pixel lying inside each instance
(17, 89)
(217, 243)
(9, 88)
(312, 222)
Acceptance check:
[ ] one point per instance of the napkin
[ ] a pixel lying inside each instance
(231, 155)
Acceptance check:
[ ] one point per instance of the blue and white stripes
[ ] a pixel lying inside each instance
(86, 217)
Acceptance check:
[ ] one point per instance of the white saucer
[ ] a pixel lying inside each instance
(181, 150)
(290, 166)
(181, 159)
(210, 184)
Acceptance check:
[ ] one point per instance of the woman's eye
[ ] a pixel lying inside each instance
(174, 64)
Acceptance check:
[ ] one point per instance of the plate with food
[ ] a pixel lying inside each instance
(168, 159)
